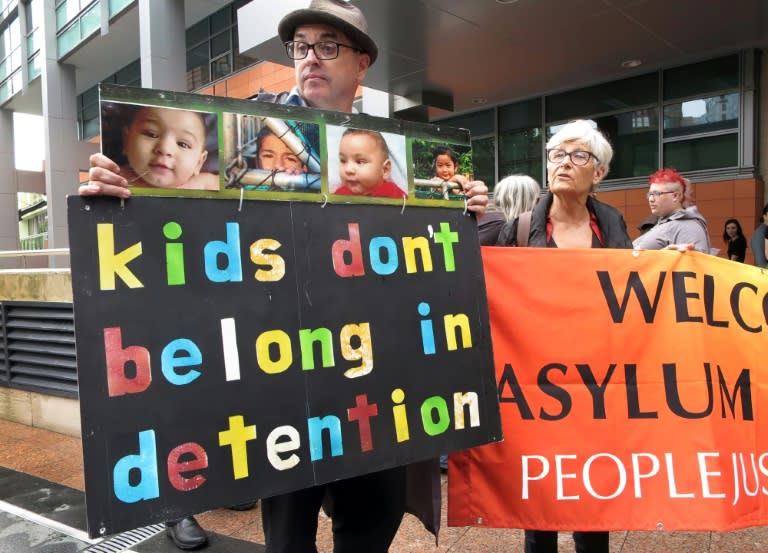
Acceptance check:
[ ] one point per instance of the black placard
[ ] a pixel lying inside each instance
(164, 317)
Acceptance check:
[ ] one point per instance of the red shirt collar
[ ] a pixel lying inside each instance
(592, 224)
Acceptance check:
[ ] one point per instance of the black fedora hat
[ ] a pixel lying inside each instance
(338, 14)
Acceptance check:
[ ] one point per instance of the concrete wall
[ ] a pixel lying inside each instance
(57, 414)
(53, 413)
(36, 285)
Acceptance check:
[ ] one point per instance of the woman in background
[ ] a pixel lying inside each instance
(734, 237)
(512, 196)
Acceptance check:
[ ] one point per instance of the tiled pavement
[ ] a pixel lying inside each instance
(42, 511)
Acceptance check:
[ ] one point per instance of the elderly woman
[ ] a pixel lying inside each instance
(512, 196)
(670, 198)
(578, 157)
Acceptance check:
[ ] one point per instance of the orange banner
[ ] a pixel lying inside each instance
(631, 387)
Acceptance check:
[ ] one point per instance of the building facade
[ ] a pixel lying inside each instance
(699, 113)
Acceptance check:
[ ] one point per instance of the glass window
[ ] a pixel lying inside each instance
(33, 67)
(711, 152)
(701, 78)
(90, 96)
(15, 35)
(484, 159)
(634, 137)
(33, 14)
(91, 111)
(241, 60)
(115, 6)
(221, 67)
(15, 59)
(90, 21)
(197, 33)
(67, 11)
(61, 16)
(478, 123)
(212, 48)
(68, 39)
(5, 91)
(198, 72)
(220, 44)
(521, 115)
(520, 152)
(221, 20)
(130, 74)
(88, 101)
(520, 139)
(91, 128)
(5, 42)
(604, 98)
(715, 113)
(32, 45)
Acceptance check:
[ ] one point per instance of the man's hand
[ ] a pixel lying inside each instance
(104, 179)
(477, 197)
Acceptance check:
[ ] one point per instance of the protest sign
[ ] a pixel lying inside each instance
(631, 387)
(240, 343)
(256, 150)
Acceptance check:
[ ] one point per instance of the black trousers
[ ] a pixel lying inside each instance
(541, 541)
(365, 511)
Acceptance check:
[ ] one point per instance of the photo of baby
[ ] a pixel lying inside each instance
(441, 170)
(158, 147)
(366, 163)
(271, 155)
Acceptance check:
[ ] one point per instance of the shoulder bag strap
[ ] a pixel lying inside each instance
(523, 229)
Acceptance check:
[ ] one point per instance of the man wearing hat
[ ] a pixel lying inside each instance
(332, 51)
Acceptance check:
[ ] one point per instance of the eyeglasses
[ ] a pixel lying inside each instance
(324, 50)
(655, 194)
(578, 157)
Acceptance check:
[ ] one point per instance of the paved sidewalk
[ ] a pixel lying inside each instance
(57, 458)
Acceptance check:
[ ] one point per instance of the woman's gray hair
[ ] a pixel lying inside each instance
(586, 132)
(516, 194)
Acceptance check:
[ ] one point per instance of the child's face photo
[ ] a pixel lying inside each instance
(274, 154)
(165, 147)
(363, 165)
(445, 168)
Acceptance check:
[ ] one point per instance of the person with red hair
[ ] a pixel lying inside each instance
(670, 198)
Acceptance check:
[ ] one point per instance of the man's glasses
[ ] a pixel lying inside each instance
(655, 194)
(578, 157)
(324, 50)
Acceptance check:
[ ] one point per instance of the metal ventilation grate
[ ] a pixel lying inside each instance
(123, 541)
(38, 347)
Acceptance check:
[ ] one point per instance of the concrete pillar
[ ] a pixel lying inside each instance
(60, 136)
(9, 204)
(162, 43)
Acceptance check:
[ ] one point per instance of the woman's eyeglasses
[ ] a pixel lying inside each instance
(578, 157)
